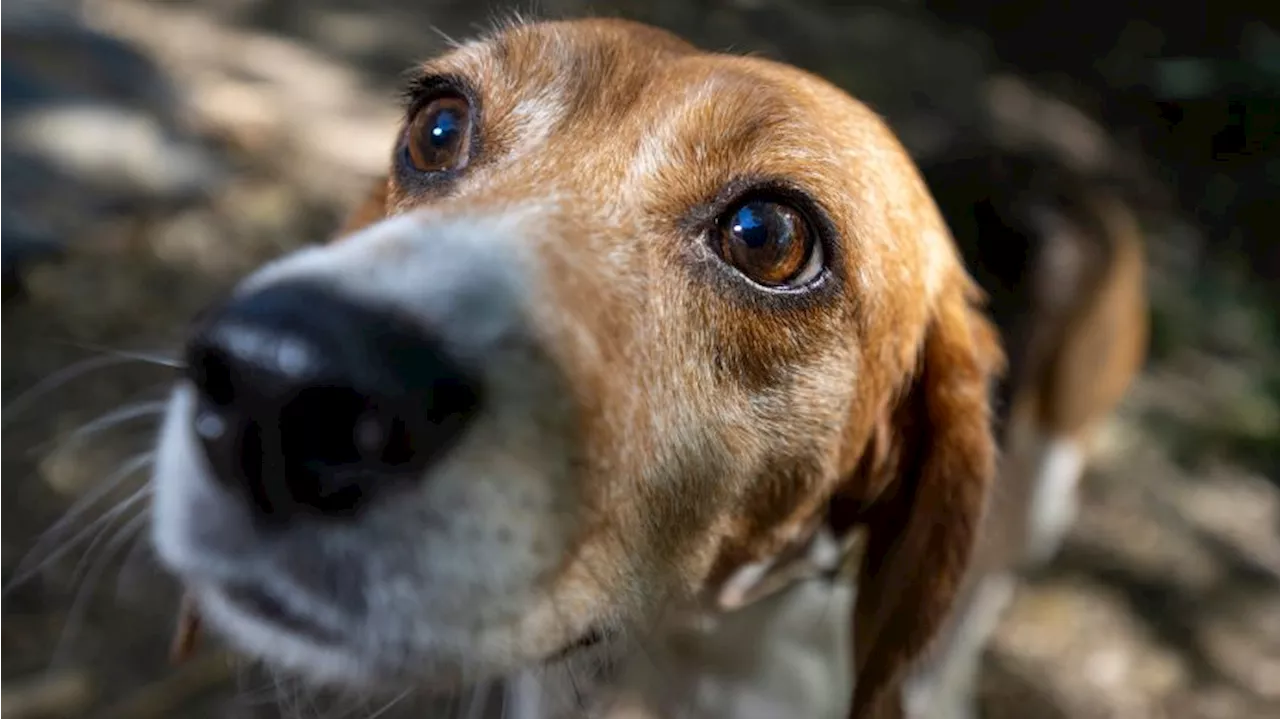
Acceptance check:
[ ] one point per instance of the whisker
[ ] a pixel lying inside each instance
(308, 696)
(262, 694)
(141, 494)
(343, 707)
(80, 605)
(477, 701)
(136, 560)
(61, 377)
(633, 640)
(289, 695)
(388, 706)
(448, 39)
(41, 555)
(142, 405)
(116, 418)
(579, 699)
(280, 693)
(155, 358)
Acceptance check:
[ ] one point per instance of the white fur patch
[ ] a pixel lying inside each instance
(787, 655)
(469, 273)
(654, 154)
(740, 584)
(1055, 503)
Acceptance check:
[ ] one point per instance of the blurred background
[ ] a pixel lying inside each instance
(155, 150)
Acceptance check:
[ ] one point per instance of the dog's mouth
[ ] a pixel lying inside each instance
(262, 604)
(257, 602)
(593, 637)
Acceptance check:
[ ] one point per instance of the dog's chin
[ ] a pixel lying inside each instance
(257, 626)
(287, 642)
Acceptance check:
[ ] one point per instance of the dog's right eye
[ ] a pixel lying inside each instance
(439, 137)
(771, 243)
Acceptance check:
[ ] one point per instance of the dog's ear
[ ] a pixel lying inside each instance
(922, 529)
(370, 210)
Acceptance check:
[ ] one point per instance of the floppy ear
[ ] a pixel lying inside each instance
(922, 530)
(372, 209)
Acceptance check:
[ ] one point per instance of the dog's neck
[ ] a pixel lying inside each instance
(774, 642)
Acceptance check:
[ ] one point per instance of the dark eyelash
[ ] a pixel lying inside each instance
(420, 88)
(747, 189)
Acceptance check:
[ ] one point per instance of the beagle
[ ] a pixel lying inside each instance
(628, 333)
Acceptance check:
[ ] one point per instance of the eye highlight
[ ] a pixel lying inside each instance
(439, 136)
(771, 243)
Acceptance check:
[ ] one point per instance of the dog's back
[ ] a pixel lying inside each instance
(1061, 261)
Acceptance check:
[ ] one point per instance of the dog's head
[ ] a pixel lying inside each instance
(625, 320)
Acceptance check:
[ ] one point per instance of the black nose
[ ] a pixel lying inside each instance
(312, 402)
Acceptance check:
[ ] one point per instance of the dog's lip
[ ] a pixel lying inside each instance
(588, 639)
(268, 607)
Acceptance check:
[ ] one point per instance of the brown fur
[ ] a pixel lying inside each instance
(1105, 341)
(922, 533)
(884, 374)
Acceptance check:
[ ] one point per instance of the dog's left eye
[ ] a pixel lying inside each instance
(771, 243)
(439, 137)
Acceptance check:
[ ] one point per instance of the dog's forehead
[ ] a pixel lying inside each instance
(618, 78)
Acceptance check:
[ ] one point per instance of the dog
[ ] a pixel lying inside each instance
(630, 335)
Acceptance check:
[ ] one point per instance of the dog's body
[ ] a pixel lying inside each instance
(629, 333)
(1062, 263)
(1061, 260)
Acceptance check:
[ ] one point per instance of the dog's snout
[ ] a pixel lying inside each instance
(313, 402)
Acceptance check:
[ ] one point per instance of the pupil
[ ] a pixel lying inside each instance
(444, 129)
(750, 225)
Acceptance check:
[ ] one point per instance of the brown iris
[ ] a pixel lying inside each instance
(439, 137)
(769, 242)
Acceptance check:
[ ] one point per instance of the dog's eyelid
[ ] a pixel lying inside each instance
(768, 189)
(422, 87)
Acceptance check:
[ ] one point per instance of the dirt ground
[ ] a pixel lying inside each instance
(1164, 603)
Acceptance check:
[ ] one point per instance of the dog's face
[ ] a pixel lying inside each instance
(622, 321)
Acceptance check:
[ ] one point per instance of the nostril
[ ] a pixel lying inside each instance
(327, 427)
(210, 371)
(308, 401)
(337, 443)
(340, 444)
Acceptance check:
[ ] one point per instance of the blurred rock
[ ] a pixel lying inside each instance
(1075, 648)
(24, 243)
(44, 697)
(92, 129)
